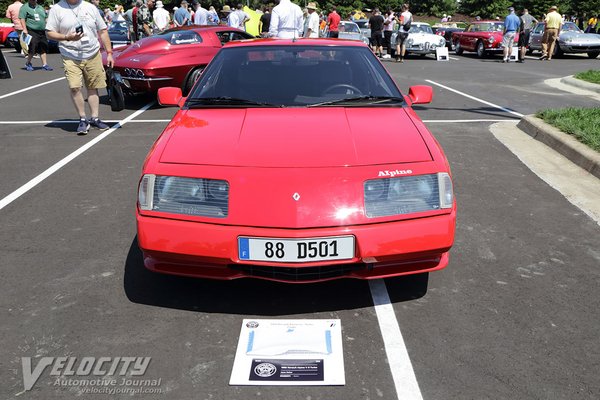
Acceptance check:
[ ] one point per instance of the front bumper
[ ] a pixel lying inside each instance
(422, 49)
(579, 48)
(141, 84)
(211, 251)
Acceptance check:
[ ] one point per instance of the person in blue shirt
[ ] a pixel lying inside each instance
(182, 15)
(511, 26)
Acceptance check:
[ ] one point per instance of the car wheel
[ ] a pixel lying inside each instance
(557, 51)
(480, 49)
(457, 48)
(529, 51)
(191, 80)
(593, 54)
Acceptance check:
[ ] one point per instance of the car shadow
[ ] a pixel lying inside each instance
(256, 296)
(487, 111)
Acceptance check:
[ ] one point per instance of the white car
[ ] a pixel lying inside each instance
(421, 39)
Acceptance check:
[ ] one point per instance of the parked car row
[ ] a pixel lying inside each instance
(485, 37)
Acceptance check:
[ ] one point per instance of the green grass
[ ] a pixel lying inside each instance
(6, 20)
(592, 76)
(583, 123)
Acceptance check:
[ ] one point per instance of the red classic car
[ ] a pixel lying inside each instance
(5, 29)
(173, 58)
(482, 37)
(272, 169)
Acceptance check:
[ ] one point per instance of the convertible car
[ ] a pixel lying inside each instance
(271, 169)
(482, 37)
(421, 39)
(173, 58)
(571, 39)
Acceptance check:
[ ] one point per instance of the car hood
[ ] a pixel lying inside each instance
(423, 37)
(295, 137)
(580, 37)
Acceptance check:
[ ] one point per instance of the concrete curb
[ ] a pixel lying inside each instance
(578, 83)
(563, 143)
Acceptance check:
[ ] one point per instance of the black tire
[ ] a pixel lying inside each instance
(593, 54)
(529, 51)
(458, 50)
(557, 51)
(191, 80)
(480, 49)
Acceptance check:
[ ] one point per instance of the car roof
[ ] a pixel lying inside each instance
(205, 28)
(296, 42)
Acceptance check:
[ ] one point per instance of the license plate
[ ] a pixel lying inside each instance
(296, 250)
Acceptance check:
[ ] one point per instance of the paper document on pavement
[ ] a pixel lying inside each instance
(289, 352)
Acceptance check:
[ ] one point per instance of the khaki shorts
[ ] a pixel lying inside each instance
(91, 72)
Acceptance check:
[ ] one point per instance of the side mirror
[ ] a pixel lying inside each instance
(420, 94)
(169, 96)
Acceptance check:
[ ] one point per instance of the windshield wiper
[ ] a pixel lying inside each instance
(360, 99)
(226, 100)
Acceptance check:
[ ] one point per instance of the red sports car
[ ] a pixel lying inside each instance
(173, 58)
(482, 37)
(275, 168)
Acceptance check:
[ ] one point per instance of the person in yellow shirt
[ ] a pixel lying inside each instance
(553, 24)
(592, 24)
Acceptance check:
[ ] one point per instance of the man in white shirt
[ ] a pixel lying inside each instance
(76, 25)
(286, 21)
(201, 15)
(242, 17)
(312, 27)
(161, 17)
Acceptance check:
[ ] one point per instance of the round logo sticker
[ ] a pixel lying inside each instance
(252, 324)
(265, 370)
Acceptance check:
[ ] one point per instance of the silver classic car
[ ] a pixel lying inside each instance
(571, 39)
(421, 39)
(350, 30)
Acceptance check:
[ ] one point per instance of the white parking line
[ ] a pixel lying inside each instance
(452, 58)
(403, 374)
(31, 87)
(41, 177)
(76, 121)
(476, 99)
(460, 121)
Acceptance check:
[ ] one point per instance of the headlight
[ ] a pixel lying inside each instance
(568, 40)
(442, 42)
(409, 42)
(409, 194)
(491, 39)
(188, 196)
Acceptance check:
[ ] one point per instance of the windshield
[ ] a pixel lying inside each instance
(569, 27)
(177, 36)
(118, 26)
(420, 29)
(363, 24)
(487, 27)
(348, 27)
(294, 76)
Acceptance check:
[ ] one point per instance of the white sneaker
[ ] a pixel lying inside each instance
(387, 56)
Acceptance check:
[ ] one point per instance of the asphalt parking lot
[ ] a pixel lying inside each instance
(514, 316)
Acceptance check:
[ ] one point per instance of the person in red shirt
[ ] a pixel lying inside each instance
(333, 20)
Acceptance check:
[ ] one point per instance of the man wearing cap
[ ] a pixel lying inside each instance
(161, 18)
(553, 24)
(286, 21)
(312, 26)
(511, 25)
(182, 15)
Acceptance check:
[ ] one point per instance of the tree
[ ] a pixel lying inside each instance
(485, 9)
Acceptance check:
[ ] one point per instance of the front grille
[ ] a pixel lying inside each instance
(298, 274)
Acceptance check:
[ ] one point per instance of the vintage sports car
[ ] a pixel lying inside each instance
(272, 169)
(482, 37)
(12, 40)
(446, 29)
(571, 39)
(118, 33)
(421, 39)
(350, 30)
(175, 57)
(363, 24)
(5, 29)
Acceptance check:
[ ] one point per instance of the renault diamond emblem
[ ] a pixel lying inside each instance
(296, 196)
